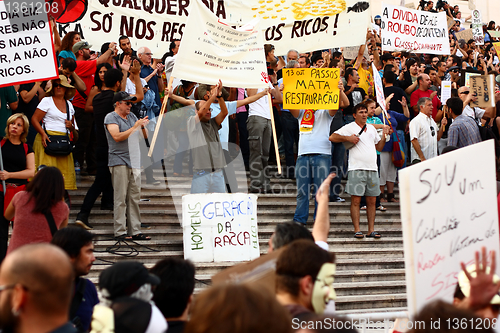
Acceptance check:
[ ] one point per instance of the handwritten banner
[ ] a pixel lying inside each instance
(311, 88)
(497, 48)
(494, 33)
(26, 43)
(305, 25)
(484, 88)
(220, 227)
(416, 31)
(379, 88)
(217, 51)
(465, 35)
(448, 211)
(477, 27)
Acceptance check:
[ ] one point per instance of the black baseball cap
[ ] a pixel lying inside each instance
(123, 96)
(386, 56)
(124, 278)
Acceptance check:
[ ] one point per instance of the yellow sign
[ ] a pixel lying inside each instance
(497, 48)
(311, 88)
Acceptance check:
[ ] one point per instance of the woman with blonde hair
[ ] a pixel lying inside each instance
(53, 111)
(19, 165)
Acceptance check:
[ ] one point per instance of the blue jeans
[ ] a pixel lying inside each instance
(290, 127)
(208, 182)
(309, 170)
(338, 153)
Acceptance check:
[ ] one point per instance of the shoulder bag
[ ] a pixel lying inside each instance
(59, 145)
(348, 144)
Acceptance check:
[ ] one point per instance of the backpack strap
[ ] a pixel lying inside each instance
(3, 142)
(51, 222)
(24, 144)
(77, 298)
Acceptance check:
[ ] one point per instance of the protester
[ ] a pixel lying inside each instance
(57, 114)
(36, 282)
(150, 74)
(238, 308)
(362, 179)
(126, 47)
(101, 69)
(67, 43)
(8, 100)
(124, 163)
(19, 165)
(424, 132)
(314, 153)
(464, 130)
(174, 294)
(78, 245)
(85, 68)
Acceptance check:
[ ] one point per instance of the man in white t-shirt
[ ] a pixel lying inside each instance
(362, 177)
(314, 153)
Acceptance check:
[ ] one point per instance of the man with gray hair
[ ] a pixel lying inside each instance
(424, 132)
(150, 74)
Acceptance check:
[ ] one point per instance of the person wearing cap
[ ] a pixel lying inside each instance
(85, 69)
(52, 110)
(124, 165)
(127, 288)
(451, 61)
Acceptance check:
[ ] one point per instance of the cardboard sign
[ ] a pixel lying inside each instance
(311, 88)
(494, 33)
(351, 52)
(220, 227)
(26, 42)
(217, 51)
(260, 273)
(304, 25)
(405, 29)
(465, 35)
(477, 27)
(449, 211)
(450, 21)
(484, 87)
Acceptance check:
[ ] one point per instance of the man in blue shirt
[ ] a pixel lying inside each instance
(150, 74)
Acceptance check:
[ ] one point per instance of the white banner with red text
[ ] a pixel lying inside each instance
(217, 51)
(305, 25)
(415, 31)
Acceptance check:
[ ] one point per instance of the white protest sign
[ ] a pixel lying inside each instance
(477, 27)
(379, 88)
(220, 227)
(445, 91)
(26, 42)
(449, 211)
(304, 25)
(405, 29)
(217, 51)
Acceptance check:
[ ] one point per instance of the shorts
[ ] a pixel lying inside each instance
(363, 183)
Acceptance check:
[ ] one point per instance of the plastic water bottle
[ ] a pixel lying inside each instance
(77, 168)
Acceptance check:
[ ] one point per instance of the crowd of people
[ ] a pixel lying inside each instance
(96, 115)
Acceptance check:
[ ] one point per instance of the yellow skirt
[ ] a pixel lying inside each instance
(65, 164)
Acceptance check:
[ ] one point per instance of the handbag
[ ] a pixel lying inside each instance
(59, 145)
(398, 155)
(348, 144)
(12, 189)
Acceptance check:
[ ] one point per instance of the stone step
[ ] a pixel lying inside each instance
(372, 302)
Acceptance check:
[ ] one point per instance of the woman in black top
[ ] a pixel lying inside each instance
(19, 165)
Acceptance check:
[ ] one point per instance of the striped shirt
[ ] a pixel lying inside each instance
(421, 128)
(463, 132)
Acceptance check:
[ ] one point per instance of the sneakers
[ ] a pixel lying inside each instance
(153, 182)
(83, 221)
(336, 199)
(145, 226)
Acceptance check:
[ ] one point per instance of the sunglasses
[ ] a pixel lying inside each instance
(464, 93)
(57, 85)
(454, 71)
(128, 103)
(433, 132)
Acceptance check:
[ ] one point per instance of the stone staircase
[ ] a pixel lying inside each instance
(370, 273)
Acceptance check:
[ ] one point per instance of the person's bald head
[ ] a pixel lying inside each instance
(44, 272)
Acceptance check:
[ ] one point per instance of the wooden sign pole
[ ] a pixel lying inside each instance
(275, 139)
(160, 118)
